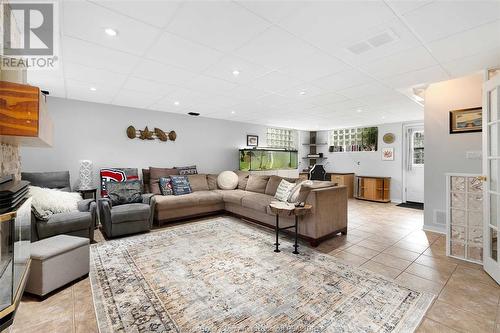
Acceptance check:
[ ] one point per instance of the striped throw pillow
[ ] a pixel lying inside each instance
(284, 190)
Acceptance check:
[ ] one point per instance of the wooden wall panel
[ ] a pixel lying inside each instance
(19, 109)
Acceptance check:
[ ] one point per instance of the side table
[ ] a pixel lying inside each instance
(86, 191)
(283, 209)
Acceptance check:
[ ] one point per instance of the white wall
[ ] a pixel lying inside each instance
(369, 163)
(97, 132)
(446, 152)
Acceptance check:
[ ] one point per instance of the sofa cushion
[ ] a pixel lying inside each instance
(187, 170)
(155, 174)
(233, 196)
(130, 213)
(257, 201)
(242, 179)
(272, 185)
(212, 181)
(173, 201)
(208, 197)
(55, 246)
(257, 183)
(64, 223)
(198, 182)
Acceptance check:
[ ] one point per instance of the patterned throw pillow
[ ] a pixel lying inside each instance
(187, 170)
(180, 185)
(166, 186)
(121, 193)
(284, 190)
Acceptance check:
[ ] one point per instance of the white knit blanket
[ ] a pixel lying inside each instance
(47, 201)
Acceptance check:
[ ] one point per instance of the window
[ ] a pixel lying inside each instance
(417, 149)
(281, 138)
(354, 139)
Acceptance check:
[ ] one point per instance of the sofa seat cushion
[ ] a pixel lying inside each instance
(233, 196)
(129, 213)
(176, 201)
(64, 223)
(257, 201)
(208, 197)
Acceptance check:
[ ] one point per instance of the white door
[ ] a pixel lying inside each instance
(414, 164)
(491, 169)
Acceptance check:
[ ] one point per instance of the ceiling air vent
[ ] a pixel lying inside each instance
(373, 42)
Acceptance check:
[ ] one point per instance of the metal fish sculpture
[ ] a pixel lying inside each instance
(161, 135)
(146, 134)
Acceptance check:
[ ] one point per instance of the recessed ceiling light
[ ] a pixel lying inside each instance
(111, 32)
(359, 110)
(233, 112)
(236, 72)
(383, 117)
(195, 114)
(93, 89)
(302, 92)
(176, 103)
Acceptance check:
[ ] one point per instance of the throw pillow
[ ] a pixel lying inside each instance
(198, 182)
(257, 183)
(299, 191)
(154, 177)
(227, 180)
(187, 170)
(48, 201)
(180, 185)
(166, 186)
(284, 190)
(127, 192)
(145, 180)
(273, 183)
(242, 179)
(212, 182)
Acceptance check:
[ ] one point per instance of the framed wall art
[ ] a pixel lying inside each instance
(466, 120)
(252, 140)
(388, 154)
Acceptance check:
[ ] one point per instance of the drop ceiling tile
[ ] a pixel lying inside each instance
(474, 63)
(444, 18)
(314, 66)
(418, 77)
(402, 62)
(80, 91)
(99, 78)
(368, 89)
(272, 10)
(275, 48)
(209, 84)
(404, 6)
(274, 81)
(155, 71)
(274, 100)
(224, 68)
(156, 13)
(148, 86)
(342, 80)
(468, 43)
(325, 99)
(46, 80)
(247, 92)
(222, 25)
(135, 99)
(301, 92)
(176, 51)
(87, 21)
(92, 55)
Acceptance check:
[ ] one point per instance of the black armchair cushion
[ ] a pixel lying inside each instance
(58, 179)
(127, 192)
(130, 213)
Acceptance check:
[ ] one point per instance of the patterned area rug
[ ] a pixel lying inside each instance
(221, 275)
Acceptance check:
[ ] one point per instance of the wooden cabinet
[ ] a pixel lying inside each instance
(346, 179)
(24, 119)
(373, 188)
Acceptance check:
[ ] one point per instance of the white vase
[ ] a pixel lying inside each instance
(86, 179)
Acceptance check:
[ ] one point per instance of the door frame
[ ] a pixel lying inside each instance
(490, 266)
(406, 142)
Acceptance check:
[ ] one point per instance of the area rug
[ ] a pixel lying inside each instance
(221, 275)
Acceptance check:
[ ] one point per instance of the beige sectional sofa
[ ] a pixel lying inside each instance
(251, 200)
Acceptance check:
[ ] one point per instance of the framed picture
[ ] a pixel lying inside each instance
(252, 140)
(466, 120)
(388, 154)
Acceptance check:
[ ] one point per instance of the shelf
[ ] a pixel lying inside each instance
(315, 144)
(314, 158)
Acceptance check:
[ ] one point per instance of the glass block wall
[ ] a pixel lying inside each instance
(281, 138)
(465, 217)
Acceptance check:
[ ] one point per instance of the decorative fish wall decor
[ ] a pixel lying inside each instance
(146, 134)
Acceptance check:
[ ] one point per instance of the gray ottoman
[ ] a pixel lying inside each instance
(56, 261)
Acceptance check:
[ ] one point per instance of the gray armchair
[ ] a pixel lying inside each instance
(80, 223)
(128, 218)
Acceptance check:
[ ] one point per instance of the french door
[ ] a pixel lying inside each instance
(491, 170)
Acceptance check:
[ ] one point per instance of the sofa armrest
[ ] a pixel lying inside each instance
(104, 207)
(149, 198)
(84, 205)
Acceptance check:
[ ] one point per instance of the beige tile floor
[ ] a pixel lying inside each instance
(382, 238)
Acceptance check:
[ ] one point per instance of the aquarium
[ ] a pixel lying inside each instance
(268, 159)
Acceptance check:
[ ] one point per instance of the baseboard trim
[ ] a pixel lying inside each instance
(435, 229)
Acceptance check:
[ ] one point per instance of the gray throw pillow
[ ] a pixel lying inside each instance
(121, 193)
